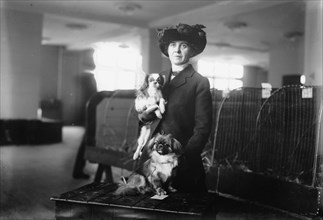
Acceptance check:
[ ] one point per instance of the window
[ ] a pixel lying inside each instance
(117, 66)
(222, 76)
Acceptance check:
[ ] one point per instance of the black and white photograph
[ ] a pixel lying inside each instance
(161, 109)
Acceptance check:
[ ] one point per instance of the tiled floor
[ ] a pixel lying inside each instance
(30, 175)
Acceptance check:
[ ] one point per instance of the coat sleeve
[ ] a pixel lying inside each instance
(203, 119)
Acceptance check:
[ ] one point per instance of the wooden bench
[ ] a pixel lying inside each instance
(97, 201)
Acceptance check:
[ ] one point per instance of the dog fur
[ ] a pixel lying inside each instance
(158, 171)
(149, 96)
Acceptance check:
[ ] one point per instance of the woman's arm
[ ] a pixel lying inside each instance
(203, 120)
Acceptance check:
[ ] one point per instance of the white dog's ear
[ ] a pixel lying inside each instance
(177, 146)
(164, 79)
(150, 144)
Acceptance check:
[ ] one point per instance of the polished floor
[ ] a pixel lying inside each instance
(30, 175)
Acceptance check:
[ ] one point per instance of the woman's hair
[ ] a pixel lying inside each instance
(192, 46)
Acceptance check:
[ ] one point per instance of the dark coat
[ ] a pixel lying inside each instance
(188, 117)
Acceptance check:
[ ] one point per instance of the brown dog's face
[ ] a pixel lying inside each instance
(165, 144)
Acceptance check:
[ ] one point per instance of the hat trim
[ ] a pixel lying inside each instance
(193, 35)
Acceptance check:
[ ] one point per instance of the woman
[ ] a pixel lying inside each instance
(188, 115)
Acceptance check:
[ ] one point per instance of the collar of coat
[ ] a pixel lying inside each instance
(181, 77)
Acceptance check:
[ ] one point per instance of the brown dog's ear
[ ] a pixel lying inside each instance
(177, 146)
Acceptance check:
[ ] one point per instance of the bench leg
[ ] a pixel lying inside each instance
(98, 174)
(108, 173)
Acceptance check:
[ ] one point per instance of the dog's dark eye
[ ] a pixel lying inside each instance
(151, 79)
(162, 145)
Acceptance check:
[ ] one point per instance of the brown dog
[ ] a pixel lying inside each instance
(158, 171)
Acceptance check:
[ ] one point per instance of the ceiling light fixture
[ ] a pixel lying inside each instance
(124, 46)
(128, 8)
(46, 38)
(76, 26)
(235, 25)
(293, 35)
(224, 45)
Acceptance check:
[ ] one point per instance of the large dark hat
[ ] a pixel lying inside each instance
(192, 34)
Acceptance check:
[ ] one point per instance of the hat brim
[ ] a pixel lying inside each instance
(195, 38)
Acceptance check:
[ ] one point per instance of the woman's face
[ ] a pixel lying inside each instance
(179, 52)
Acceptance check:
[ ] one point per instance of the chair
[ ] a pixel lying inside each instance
(112, 128)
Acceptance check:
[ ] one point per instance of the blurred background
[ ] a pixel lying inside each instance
(56, 54)
(47, 46)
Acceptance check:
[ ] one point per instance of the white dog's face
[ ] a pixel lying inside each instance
(155, 81)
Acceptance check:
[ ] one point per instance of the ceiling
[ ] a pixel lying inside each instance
(237, 31)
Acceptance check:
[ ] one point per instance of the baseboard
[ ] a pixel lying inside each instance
(30, 132)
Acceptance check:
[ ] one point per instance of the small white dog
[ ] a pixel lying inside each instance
(149, 97)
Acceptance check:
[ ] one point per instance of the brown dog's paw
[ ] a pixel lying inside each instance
(160, 192)
(171, 189)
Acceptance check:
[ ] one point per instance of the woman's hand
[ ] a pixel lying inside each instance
(149, 114)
